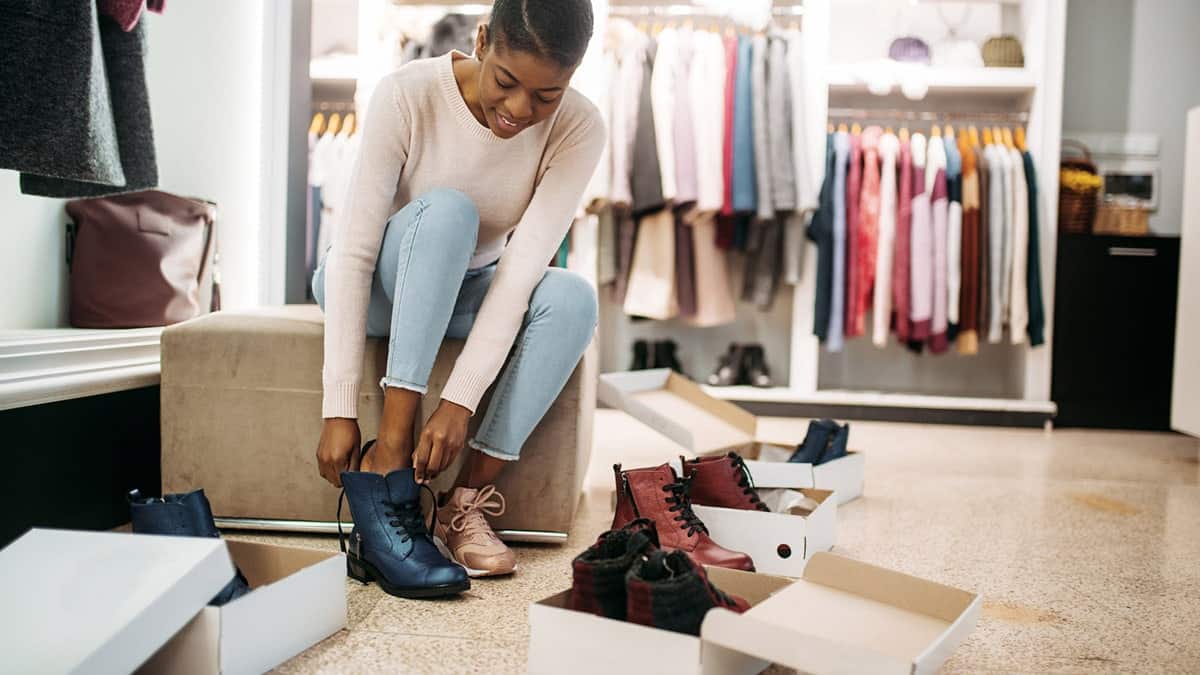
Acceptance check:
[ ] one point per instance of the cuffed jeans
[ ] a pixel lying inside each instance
(423, 292)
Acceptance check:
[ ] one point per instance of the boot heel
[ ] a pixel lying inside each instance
(356, 571)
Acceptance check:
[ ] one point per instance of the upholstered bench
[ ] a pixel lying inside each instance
(241, 417)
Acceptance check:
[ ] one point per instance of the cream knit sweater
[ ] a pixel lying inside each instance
(419, 135)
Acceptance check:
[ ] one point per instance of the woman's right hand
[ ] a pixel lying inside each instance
(338, 449)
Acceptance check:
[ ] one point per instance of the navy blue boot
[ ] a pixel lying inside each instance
(838, 441)
(390, 543)
(183, 515)
(815, 441)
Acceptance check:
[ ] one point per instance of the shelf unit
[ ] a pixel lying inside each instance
(954, 81)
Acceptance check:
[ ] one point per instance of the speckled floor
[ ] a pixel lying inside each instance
(1085, 546)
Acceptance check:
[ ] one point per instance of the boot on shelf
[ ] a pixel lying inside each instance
(722, 481)
(755, 367)
(664, 356)
(729, 368)
(658, 494)
(641, 356)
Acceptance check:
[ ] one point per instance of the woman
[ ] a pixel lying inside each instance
(458, 153)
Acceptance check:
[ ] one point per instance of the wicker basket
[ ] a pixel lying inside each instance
(1003, 51)
(1077, 208)
(1129, 219)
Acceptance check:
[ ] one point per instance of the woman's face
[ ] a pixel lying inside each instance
(517, 89)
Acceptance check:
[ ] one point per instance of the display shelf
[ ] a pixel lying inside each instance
(853, 78)
(334, 67)
(879, 399)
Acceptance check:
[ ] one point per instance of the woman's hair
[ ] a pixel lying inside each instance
(556, 29)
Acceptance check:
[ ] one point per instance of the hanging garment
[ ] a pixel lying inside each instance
(732, 50)
(998, 202)
(901, 275)
(820, 232)
(779, 125)
(714, 299)
(921, 247)
(853, 211)
(708, 116)
(626, 236)
(745, 186)
(687, 182)
(764, 258)
(765, 206)
(630, 53)
(601, 93)
(646, 175)
(1005, 155)
(867, 236)
(582, 247)
(985, 241)
(968, 335)
(1018, 310)
(1033, 265)
(935, 176)
(953, 235)
(889, 149)
(685, 262)
(664, 104)
(837, 304)
(805, 139)
(127, 12)
(606, 248)
(651, 290)
(76, 112)
(794, 245)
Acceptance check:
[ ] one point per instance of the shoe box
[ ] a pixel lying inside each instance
(680, 410)
(107, 602)
(841, 616)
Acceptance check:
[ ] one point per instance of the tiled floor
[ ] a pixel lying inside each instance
(1084, 545)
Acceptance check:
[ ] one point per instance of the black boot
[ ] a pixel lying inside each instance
(756, 372)
(641, 356)
(664, 356)
(183, 515)
(728, 370)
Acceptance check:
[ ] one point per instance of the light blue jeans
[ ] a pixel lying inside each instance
(423, 292)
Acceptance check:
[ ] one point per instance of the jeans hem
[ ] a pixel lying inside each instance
(396, 383)
(493, 452)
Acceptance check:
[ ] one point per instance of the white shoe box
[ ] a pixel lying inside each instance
(675, 407)
(104, 602)
(842, 616)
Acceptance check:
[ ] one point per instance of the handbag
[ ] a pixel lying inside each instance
(141, 259)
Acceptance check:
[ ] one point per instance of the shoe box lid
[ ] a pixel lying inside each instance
(680, 410)
(842, 616)
(109, 602)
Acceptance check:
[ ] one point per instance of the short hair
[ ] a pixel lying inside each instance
(556, 29)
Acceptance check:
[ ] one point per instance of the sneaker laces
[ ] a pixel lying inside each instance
(469, 514)
(746, 481)
(681, 503)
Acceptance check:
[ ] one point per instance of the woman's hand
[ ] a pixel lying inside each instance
(338, 449)
(441, 440)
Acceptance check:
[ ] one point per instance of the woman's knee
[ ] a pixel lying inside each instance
(569, 299)
(452, 214)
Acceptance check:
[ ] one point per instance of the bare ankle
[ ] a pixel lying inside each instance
(388, 455)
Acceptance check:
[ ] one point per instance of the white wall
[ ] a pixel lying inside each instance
(34, 291)
(1164, 85)
(1099, 58)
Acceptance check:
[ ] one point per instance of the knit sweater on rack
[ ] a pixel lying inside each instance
(528, 186)
(921, 247)
(889, 148)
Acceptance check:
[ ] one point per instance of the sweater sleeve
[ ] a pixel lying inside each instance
(356, 241)
(537, 236)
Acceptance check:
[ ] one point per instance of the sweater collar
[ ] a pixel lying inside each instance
(458, 105)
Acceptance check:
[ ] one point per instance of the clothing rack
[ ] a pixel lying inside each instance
(926, 115)
(335, 106)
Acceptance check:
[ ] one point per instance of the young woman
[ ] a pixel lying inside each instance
(469, 175)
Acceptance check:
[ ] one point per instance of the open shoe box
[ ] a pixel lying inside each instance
(675, 407)
(127, 601)
(842, 616)
(779, 543)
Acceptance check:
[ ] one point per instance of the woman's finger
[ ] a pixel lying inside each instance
(421, 459)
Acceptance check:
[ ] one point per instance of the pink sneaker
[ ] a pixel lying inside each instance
(464, 535)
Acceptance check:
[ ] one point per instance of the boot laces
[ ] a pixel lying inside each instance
(408, 517)
(682, 505)
(469, 515)
(746, 481)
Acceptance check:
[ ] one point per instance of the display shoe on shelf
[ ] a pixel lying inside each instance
(390, 543)
(641, 356)
(722, 481)
(755, 368)
(464, 535)
(183, 515)
(658, 494)
(669, 590)
(729, 368)
(664, 356)
(598, 574)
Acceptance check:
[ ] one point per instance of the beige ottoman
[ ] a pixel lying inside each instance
(241, 417)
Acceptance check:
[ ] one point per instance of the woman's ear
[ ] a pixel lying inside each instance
(482, 40)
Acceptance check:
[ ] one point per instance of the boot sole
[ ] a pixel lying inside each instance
(364, 572)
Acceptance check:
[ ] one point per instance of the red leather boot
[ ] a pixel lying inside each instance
(722, 481)
(661, 496)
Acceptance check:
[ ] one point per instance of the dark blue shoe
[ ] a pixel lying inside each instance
(182, 515)
(816, 440)
(838, 441)
(390, 543)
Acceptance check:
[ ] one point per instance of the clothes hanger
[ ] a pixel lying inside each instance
(998, 135)
(1020, 138)
(856, 129)
(987, 137)
(829, 128)
(889, 131)
(904, 135)
(318, 123)
(349, 124)
(1008, 139)
(935, 132)
(335, 123)
(974, 134)
(949, 131)
(843, 129)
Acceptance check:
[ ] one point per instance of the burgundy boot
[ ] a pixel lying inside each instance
(668, 590)
(722, 481)
(658, 494)
(598, 574)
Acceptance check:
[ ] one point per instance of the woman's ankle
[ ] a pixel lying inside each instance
(388, 455)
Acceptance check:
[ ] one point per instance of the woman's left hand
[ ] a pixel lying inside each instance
(441, 440)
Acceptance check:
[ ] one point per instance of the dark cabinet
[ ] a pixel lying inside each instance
(1114, 331)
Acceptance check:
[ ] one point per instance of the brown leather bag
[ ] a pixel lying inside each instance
(142, 259)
